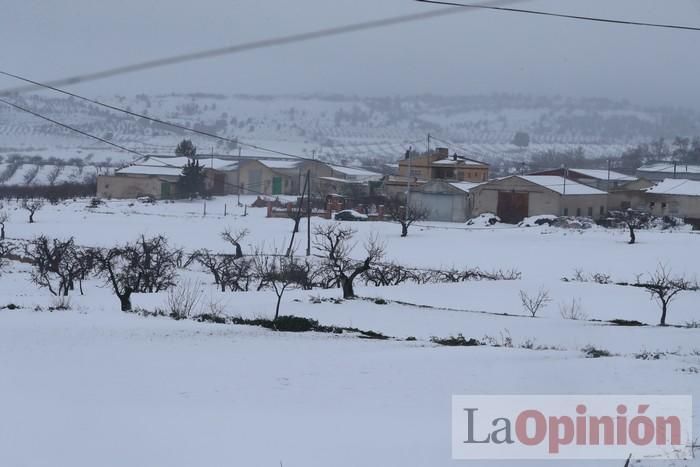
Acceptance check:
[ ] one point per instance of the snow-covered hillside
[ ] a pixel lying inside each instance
(338, 128)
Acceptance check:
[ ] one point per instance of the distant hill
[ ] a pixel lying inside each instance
(341, 128)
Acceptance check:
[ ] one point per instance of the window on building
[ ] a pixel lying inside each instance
(590, 211)
(566, 211)
(663, 205)
(578, 212)
(651, 205)
(602, 210)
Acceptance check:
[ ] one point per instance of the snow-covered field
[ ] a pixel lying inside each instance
(94, 386)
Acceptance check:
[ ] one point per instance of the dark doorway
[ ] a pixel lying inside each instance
(512, 207)
(219, 184)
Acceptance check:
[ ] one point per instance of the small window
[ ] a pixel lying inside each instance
(602, 210)
(566, 211)
(590, 211)
(651, 205)
(578, 212)
(663, 205)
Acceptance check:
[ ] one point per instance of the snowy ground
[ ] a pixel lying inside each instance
(94, 386)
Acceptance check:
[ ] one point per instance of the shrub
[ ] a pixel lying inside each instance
(295, 324)
(626, 322)
(572, 310)
(60, 303)
(182, 299)
(455, 341)
(593, 352)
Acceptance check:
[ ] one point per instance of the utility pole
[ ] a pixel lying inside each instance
(566, 173)
(608, 186)
(297, 218)
(308, 218)
(428, 146)
(238, 177)
(408, 181)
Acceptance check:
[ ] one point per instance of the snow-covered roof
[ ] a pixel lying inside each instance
(603, 175)
(280, 164)
(667, 167)
(172, 166)
(465, 186)
(675, 186)
(450, 161)
(561, 185)
(348, 181)
(150, 170)
(355, 172)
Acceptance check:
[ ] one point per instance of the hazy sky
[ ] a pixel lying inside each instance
(468, 53)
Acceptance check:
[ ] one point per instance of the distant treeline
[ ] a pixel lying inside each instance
(51, 192)
(680, 149)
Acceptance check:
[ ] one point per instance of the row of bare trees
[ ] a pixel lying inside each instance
(150, 265)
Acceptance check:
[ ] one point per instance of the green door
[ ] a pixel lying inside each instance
(276, 185)
(164, 189)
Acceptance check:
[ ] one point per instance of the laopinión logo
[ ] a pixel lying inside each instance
(571, 427)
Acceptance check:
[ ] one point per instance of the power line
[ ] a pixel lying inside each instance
(560, 15)
(71, 128)
(123, 148)
(260, 44)
(163, 122)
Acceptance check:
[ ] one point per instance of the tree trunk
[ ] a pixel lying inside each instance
(2, 233)
(664, 307)
(348, 289)
(31, 218)
(633, 237)
(125, 301)
(404, 230)
(277, 308)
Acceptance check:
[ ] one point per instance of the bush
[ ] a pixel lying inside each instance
(60, 303)
(210, 318)
(183, 299)
(593, 352)
(572, 310)
(626, 322)
(295, 324)
(455, 341)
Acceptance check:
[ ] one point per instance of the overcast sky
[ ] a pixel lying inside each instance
(468, 53)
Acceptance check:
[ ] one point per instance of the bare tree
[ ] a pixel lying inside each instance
(57, 264)
(53, 174)
(278, 273)
(388, 274)
(333, 242)
(533, 304)
(227, 270)
(32, 206)
(397, 211)
(235, 238)
(4, 217)
(145, 266)
(664, 288)
(5, 251)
